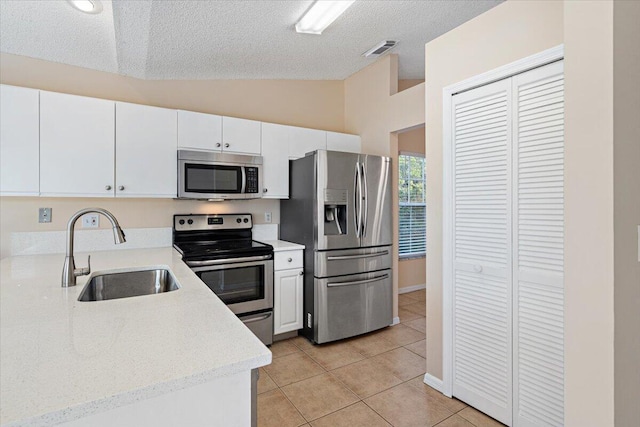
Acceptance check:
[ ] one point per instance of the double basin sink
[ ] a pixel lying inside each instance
(114, 285)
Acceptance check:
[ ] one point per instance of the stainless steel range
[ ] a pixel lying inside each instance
(220, 250)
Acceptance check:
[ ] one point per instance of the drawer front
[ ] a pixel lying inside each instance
(287, 259)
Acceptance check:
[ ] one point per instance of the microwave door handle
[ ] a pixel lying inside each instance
(244, 179)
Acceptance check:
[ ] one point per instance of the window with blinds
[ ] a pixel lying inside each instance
(413, 211)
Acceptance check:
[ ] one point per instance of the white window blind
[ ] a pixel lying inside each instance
(413, 211)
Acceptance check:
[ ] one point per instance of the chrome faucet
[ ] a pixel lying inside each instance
(69, 270)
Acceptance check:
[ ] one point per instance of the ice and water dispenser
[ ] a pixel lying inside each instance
(335, 212)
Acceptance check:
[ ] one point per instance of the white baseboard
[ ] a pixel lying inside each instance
(411, 288)
(435, 383)
(396, 320)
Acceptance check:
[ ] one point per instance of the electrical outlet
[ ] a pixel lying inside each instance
(91, 221)
(44, 215)
(267, 217)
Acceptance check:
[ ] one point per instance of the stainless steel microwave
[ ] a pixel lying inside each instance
(218, 176)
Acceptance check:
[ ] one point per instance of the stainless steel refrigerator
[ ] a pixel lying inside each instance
(339, 207)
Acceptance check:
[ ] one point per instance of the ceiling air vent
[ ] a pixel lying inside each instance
(380, 49)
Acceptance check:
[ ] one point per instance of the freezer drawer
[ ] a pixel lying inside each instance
(352, 305)
(352, 261)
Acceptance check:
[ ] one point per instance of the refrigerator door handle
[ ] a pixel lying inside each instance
(344, 257)
(363, 196)
(357, 195)
(358, 282)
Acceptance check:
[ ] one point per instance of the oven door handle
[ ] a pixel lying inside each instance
(227, 261)
(256, 319)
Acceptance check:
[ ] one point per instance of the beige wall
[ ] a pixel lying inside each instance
(408, 83)
(506, 33)
(314, 104)
(626, 184)
(375, 110)
(588, 38)
(411, 272)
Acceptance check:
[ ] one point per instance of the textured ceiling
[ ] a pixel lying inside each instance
(220, 39)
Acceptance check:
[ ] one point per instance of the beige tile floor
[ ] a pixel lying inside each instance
(369, 381)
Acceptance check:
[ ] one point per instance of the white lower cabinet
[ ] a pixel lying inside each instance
(287, 292)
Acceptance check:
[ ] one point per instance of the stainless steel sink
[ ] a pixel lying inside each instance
(128, 284)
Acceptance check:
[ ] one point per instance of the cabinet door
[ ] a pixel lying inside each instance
(76, 145)
(240, 136)
(304, 140)
(287, 300)
(19, 141)
(275, 171)
(343, 142)
(198, 131)
(146, 151)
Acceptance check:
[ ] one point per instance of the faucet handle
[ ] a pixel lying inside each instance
(83, 271)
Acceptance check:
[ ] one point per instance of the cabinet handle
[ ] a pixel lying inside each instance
(289, 259)
(218, 144)
(226, 145)
(121, 188)
(108, 187)
(477, 268)
(264, 190)
(301, 273)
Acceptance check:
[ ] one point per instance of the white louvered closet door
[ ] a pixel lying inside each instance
(538, 212)
(481, 163)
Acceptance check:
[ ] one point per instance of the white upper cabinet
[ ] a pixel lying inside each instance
(76, 145)
(303, 140)
(240, 136)
(343, 142)
(19, 141)
(275, 171)
(199, 131)
(146, 144)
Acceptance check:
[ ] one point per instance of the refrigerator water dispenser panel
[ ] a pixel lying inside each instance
(335, 211)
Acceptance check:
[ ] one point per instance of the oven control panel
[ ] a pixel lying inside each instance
(212, 222)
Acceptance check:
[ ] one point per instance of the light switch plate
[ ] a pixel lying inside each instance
(44, 215)
(267, 217)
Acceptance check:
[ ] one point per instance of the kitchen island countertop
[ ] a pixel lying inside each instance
(62, 359)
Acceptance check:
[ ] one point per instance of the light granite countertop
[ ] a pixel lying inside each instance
(61, 359)
(281, 245)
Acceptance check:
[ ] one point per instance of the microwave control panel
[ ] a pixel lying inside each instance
(252, 180)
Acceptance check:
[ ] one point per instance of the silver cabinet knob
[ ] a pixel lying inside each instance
(218, 144)
(121, 188)
(226, 145)
(477, 268)
(107, 187)
(301, 273)
(264, 190)
(289, 259)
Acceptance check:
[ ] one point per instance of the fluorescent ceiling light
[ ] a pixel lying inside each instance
(321, 15)
(87, 6)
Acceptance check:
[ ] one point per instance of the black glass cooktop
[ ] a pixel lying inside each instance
(219, 249)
